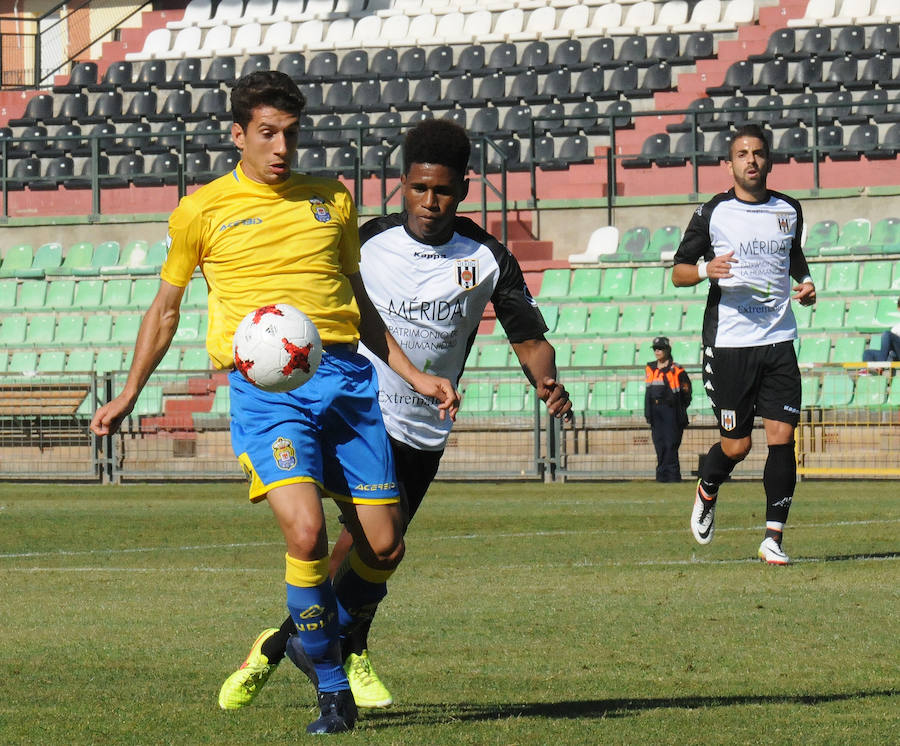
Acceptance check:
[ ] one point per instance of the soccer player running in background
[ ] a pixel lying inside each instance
(747, 241)
(430, 274)
(263, 235)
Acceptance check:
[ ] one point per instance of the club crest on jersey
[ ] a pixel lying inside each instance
(319, 210)
(467, 273)
(284, 453)
(784, 221)
(727, 419)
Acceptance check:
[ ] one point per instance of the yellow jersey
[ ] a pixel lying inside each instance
(256, 244)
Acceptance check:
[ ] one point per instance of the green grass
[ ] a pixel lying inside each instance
(523, 614)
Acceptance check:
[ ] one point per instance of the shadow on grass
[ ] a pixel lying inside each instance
(435, 714)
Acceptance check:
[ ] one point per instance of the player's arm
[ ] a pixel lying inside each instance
(375, 335)
(538, 360)
(805, 289)
(154, 337)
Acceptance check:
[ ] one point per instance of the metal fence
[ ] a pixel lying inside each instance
(179, 429)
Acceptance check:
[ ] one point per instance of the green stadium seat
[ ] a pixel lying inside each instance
(512, 397)
(824, 233)
(106, 256)
(222, 400)
(125, 329)
(143, 292)
(4, 361)
(664, 240)
(682, 291)
(814, 350)
(478, 398)
(634, 243)
(12, 330)
(817, 272)
(633, 397)
(51, 361)
(854, 234)
(572, 320)
(579, 393)
(33, 295)
(693, 317)
(645, 351)
(77, 257)
(606, 396)
(108, 361)
(809, 387)
(117, 293)
(60, 294)
(9, 290)
(619, 353)
(829, 315)
(875, 276)
(195, 358)
(666, 318)
(886, 312)
(893, 399)
(47, 256)
(861, 315)
(494, 355)
(837, 390)
(17, 262)
(563, 354)
(149, 401)
(616, 283)
(554, 284)
(97, 329)
(843, 277)
(802, 315)
(585, 283)
(88, 294)
(132, 261)
(870, 392)
(23, 361)
(80, 361)
(587, 355)
(635, 318)
(40, 330)
(69, 330)
(649, 282)
(686, 352)
(848, 350)
(196, 293)
(156, 255)
(603, 320)
(550, 312)
(171, 360)
(189, 327)
(886, 236)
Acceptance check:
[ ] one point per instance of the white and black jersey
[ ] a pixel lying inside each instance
(432, 298)
(753, 307)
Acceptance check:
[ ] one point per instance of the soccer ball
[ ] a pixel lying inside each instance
(277, 348)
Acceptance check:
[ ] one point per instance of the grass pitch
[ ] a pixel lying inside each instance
(523, 614)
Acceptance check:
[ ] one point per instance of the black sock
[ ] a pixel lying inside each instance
(273, 648)
(779, 480)
(774, 533)
(716, 469)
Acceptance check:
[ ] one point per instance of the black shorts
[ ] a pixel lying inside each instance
(743, 382)
(416, 470)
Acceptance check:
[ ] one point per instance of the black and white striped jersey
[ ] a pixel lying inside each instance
(432, 298)
(753, 307)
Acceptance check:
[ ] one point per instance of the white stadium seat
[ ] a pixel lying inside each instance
(245, 38)
(217, 38)
(185, 44)
(737, 13)
(572, 19)
(507, 22)
(450, 29)
(277, 36)
(195, 12)
(602, 242)
(226, 11)
(816, 12)
(336, 32)
(637, 16)
(849, 13)
(538, 21)
(672, 13)
(705, 12)
(156, 43)
(605, 18)
(421, 29)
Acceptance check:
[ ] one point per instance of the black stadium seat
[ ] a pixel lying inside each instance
(186, 73)
(323, 67)
(221, 72)
(176, 106)
(536, 56)
(413, 63)
(700, 45)
(72, 108)
(567, 54)
(142, 104)
(440, 60)
(293, 65)
(655, 147)
(354, 65)
(738, 76)
(37, 109)
(633, 50)
(794, 143)
(781, 45)
(255, 63)
(704, 114)
(850, 40)
(151, 74)
(212, 103)
(116, 75)
(471, 59)
(83, 76)
(601, 52)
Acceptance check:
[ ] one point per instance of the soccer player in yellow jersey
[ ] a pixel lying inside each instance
(261, 235)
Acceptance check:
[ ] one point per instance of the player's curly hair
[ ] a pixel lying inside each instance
(265, 88)
(751, 130)
(437, 141)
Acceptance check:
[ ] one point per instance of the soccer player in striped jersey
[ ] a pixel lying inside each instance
(746, 242)
(263, 235)
(430, 274)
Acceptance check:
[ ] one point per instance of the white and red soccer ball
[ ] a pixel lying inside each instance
(277, 348)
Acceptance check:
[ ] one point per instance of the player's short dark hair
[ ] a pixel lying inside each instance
(750, 130)
(265, 88)
(440, 142)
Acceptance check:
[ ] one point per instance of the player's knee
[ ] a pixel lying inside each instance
(736, 449)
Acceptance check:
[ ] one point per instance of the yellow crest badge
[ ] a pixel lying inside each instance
(319, 210)
(284, 453)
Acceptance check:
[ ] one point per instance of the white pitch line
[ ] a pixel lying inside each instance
(444, 537)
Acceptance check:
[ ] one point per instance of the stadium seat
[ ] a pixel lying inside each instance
(837, 391)
(512, 397)
(635, 319)
(666, 318)
(875, 276)
(196, 294)
(649, 282)
(88, 294)
(870, 392)
(843, 277)
(603, 320)
(802, 315)
(108, 361)
(60, 294)
(602, 244)
(861, 314)
(69, 330)
(97, 329)
(848, 350)
(814, 350)
(22, 361)
(829, 314)
(33, 295)
(117, 294)
(125, 328)
(554, 284)
(616, 283)
(479, 396)
(80, 361)
(572, 320)
(17, 262)
(619, 353)
(664, 243)
(809, 390)
(606, 397)
(585, 283)
(824, 233)
(686, 352)
(12, 330)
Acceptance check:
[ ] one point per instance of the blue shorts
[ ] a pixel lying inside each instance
(329, 431)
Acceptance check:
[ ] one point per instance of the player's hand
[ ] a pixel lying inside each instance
(555, 396)
(805, 293)
(719, 268)
(106, 419)
(440, 389)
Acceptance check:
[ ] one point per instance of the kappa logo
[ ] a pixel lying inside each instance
(727, 418)
(708, 368)
(709, 352)
(708, 386)
(284, 454)
(319, 210)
